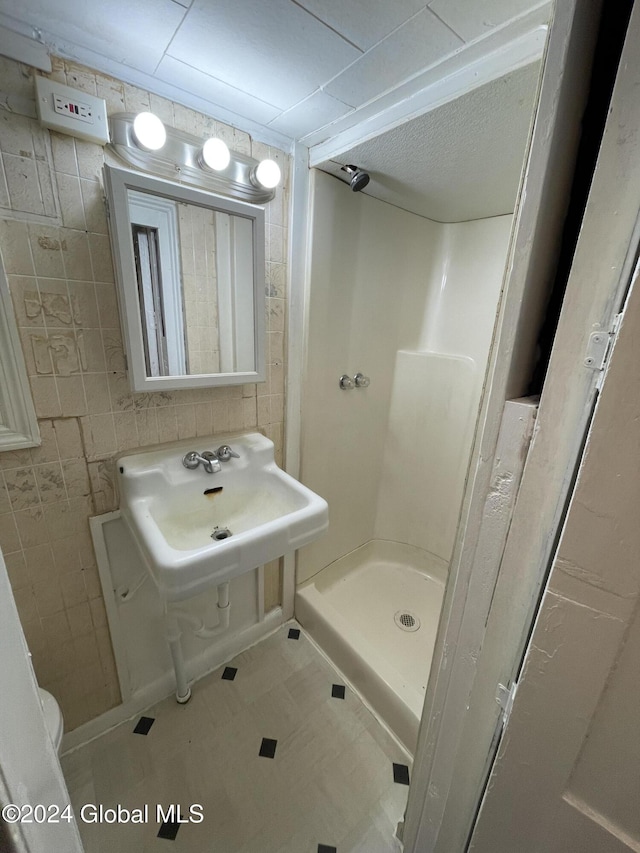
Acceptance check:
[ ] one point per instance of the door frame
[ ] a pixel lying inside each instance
(462, 719)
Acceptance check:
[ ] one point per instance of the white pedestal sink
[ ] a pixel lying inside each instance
(198, 530)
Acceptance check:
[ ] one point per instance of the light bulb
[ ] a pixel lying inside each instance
(149, 131)
(268, 174)
(215, 154)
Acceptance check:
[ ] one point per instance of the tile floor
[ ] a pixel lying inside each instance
(281, 757)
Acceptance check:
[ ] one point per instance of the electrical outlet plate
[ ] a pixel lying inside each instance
(69, 111)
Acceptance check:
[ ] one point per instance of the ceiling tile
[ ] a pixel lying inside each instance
(471, 19)
(363, 22)
(314, 112)
(215, 91)
(276, 52)
(417, 44)
(112, 29)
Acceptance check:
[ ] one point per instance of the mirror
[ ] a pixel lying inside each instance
(190, 270)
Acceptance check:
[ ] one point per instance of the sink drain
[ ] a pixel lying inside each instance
(406, 620)
(220, 533)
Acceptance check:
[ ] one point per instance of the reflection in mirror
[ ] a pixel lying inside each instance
(194, 268)
(191, 277)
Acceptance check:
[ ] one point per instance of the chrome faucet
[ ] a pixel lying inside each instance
(207, 458)
(210, 459)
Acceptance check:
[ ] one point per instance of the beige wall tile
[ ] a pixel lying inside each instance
(39, 563)
(66, 556)
(48, 597)
(31, 529)
(76, 256)
(46, 242)
(126, 430)
(48, 450)
(76, 478)
(26, 603)
(16, 248)
(64, 154)
(70, 391)
(96, 389)
(186, 421)
(16, 569)
(73, 592)
(68, 438)
(90, 160)
(50, 482)
(22, 488)
(71, 204)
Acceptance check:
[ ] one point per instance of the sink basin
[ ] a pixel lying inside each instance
(197, 530)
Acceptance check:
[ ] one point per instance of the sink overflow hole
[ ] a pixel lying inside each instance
(220, 533)
(406, 620)
(213, 491)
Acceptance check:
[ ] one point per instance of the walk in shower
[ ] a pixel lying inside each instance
(410, 303)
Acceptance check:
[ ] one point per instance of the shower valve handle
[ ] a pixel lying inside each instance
(345, 382)
(361, 381)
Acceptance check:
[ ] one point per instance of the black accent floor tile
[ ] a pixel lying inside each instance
(229, 673)
(169, 830)
(337, 691)
(294, 633)
(268, 748)
(400, 774)
(143, 725)
(325, 848)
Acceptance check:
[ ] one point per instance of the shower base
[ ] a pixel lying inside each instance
(375, 613)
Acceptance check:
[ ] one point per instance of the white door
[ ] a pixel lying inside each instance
(567, 775)
(30, 773)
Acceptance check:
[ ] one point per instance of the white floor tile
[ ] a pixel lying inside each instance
(330, 781)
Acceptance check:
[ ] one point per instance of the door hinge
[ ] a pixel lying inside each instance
(599, 349)
(504, 698)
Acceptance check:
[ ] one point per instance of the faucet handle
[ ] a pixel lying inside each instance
(361, 381)
(224, 453)
(191, 460)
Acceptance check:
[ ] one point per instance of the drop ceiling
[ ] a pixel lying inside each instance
(319, 71)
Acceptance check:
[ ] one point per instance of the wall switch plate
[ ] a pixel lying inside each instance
(69, 111)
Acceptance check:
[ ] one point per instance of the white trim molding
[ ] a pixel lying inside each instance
(18, 421)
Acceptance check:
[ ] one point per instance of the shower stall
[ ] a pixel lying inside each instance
(410, 303)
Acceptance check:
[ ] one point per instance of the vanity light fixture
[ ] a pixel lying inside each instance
(144, 143)
(215, 154)
(266, 174)
(149, 131)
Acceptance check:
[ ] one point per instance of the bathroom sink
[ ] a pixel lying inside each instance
(197, 530)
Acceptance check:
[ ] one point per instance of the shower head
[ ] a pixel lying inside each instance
(359, 178)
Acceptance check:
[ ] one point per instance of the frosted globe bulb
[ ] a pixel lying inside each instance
(268, 174)
(149, 131)
(216, 154)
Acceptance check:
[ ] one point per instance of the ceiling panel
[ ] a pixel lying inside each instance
(215, 91)
(461, 161)
(363, 22)
(317, 110)
(278, 52)
(470, 18)
(416, 44)
(112, 29)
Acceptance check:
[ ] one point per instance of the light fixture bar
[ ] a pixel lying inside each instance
(179, 160)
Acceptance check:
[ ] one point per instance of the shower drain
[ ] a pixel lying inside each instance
(406, 620)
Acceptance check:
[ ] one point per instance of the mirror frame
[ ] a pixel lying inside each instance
(117, 184)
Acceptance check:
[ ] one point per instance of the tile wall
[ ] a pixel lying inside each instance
(198, 257)
(56, 253)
